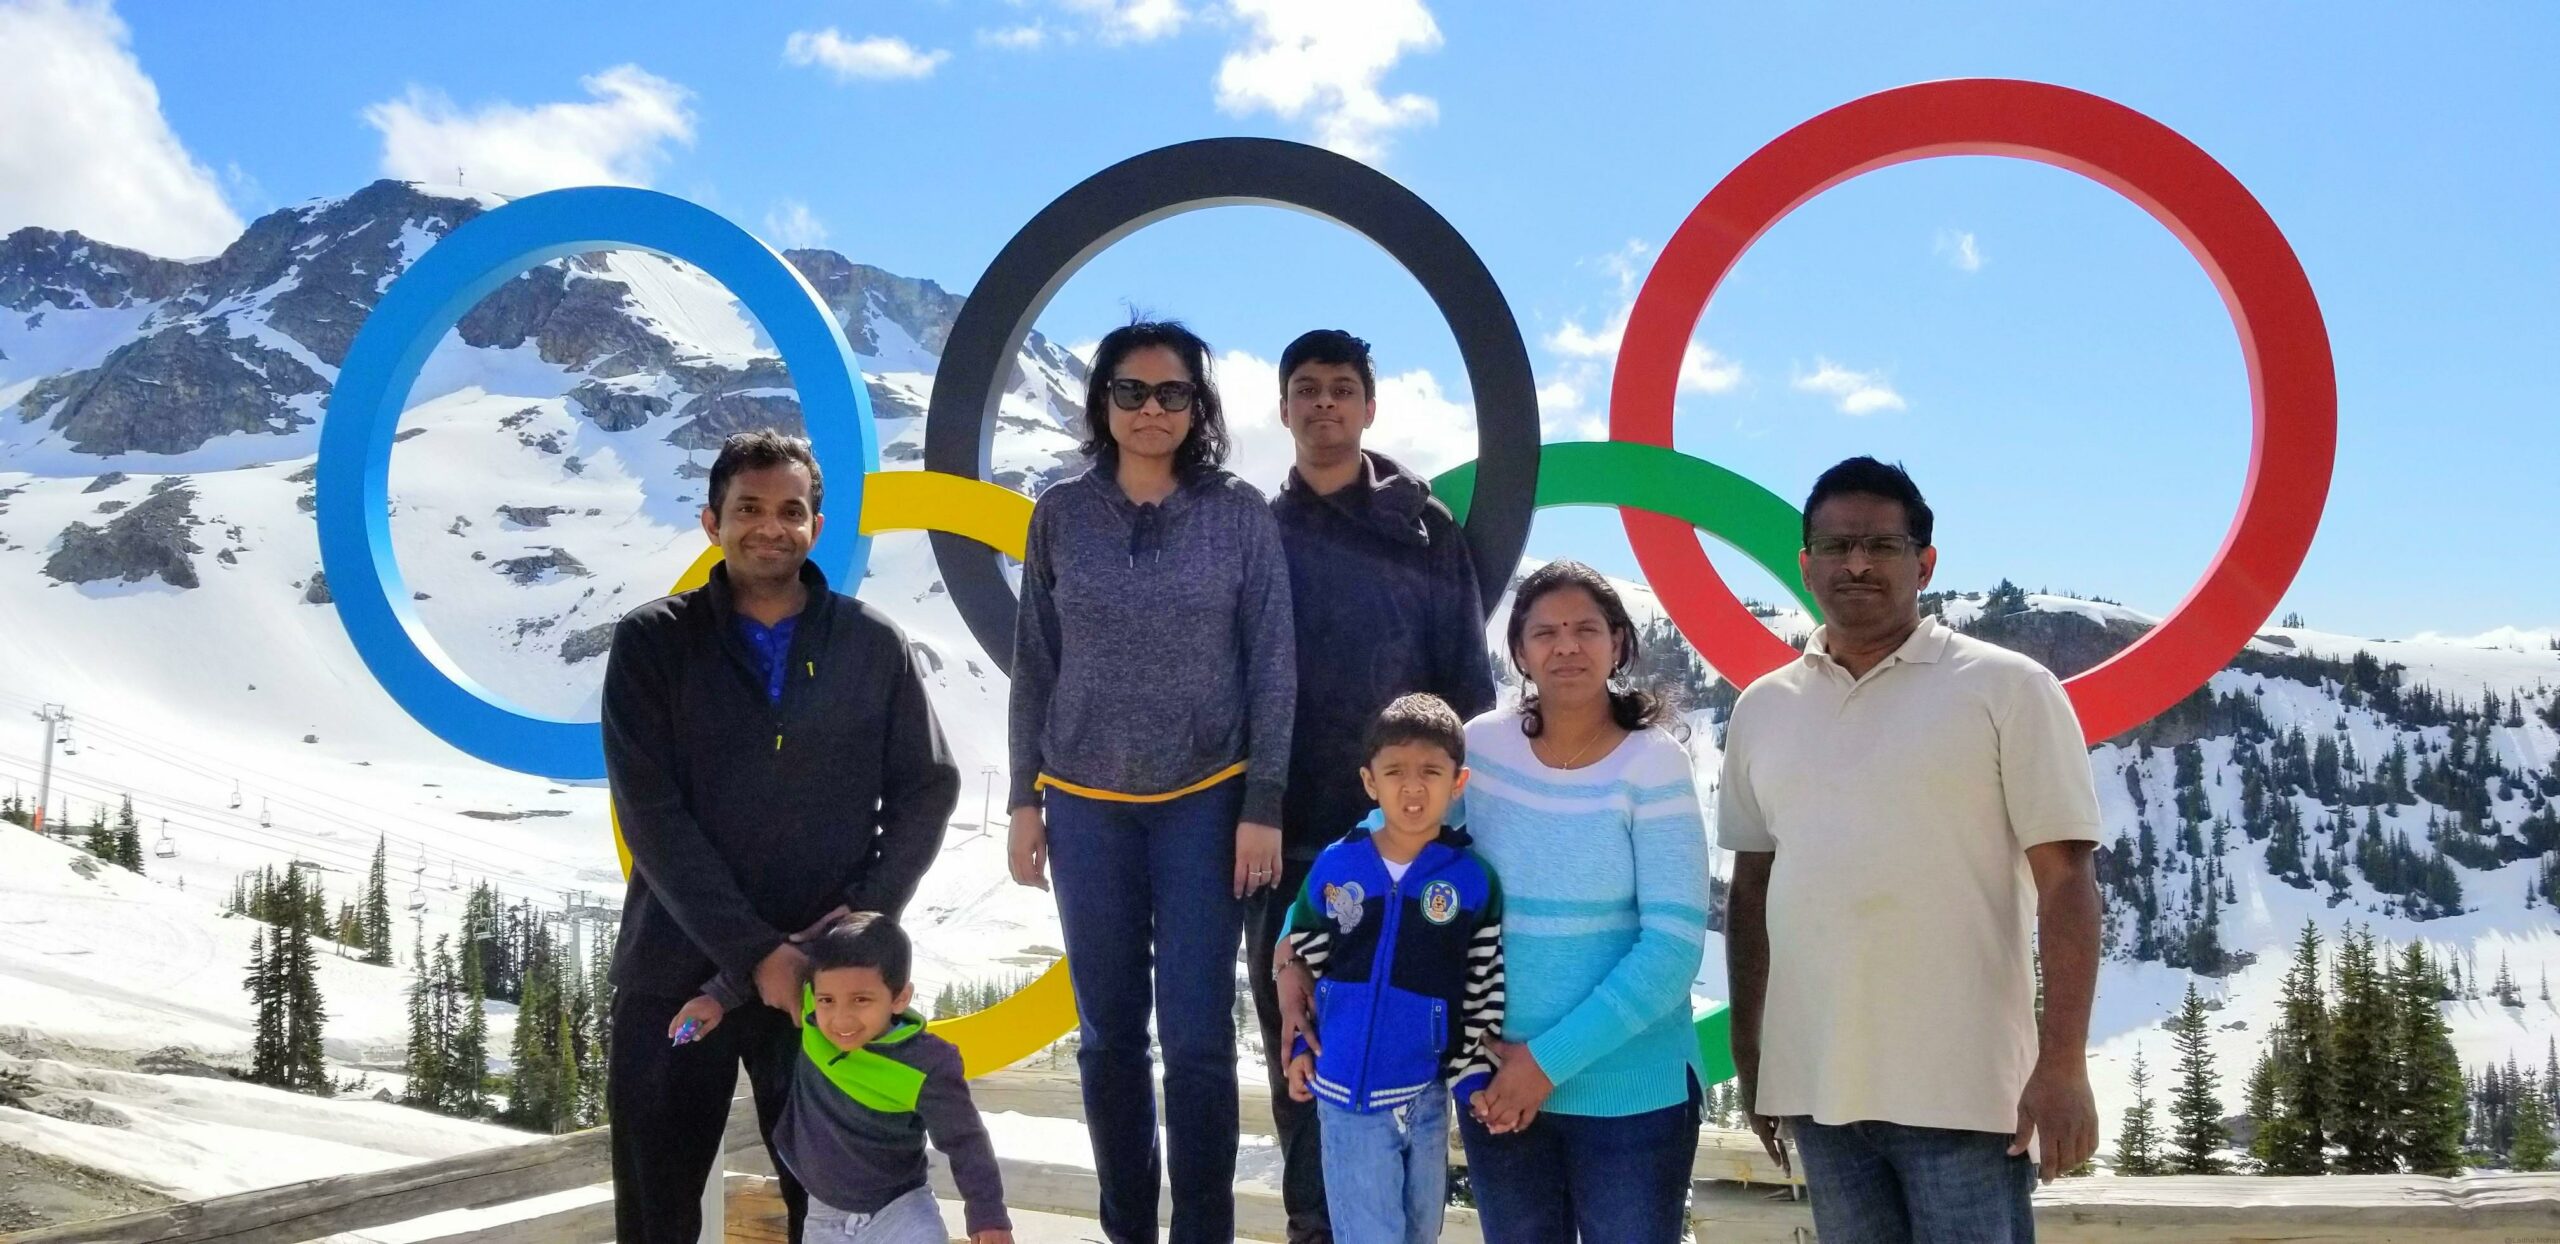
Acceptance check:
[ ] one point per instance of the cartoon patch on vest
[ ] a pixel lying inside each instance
(1342, 902)
(1440, 902)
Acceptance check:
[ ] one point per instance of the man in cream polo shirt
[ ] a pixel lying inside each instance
(1906, 805)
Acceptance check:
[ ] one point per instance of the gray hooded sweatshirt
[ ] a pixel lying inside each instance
(1155, 646)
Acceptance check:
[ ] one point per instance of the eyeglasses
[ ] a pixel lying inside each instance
(1173, 395)
(1878, 548)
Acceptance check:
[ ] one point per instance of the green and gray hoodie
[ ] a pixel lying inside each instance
(854, 1129)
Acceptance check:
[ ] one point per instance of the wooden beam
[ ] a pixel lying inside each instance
(313, 1208)
(305, 1211)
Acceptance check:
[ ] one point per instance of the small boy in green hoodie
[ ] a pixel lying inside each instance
(872, 1085)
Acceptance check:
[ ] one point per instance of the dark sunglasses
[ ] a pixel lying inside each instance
(1173, 395)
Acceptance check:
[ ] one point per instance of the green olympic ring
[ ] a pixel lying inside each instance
(1756, 522)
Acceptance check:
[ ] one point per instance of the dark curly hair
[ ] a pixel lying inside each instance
(1207, 444)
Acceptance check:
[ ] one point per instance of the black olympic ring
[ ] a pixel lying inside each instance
(1217, 172)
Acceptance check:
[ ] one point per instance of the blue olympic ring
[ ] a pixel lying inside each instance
(354, 469)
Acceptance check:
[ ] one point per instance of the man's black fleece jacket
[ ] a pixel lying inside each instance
(748, 819)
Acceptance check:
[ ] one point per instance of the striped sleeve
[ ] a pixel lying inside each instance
(1310, 933)
(1470, 1066)
(1651, 980)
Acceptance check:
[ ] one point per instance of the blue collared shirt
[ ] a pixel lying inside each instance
(771, 647)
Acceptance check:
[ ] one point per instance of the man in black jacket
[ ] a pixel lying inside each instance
(1385, 599)
(775, 766)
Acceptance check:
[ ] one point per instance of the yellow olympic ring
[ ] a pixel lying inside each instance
(1000, 518)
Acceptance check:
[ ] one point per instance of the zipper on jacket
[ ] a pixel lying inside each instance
(1381, 961)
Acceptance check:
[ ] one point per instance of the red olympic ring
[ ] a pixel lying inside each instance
(2293, 393)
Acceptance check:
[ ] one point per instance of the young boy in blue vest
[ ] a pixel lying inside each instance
(870, 1086)
(1402, 929)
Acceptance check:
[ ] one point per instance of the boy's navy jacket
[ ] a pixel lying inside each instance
(1408, 973)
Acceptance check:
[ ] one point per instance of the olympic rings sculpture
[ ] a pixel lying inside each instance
(1664, 498)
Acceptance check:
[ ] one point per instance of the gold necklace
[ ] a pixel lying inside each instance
(1587, 745)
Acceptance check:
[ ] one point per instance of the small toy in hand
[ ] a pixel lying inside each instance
(691, 1030)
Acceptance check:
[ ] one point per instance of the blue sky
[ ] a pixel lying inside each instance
(2058, 374)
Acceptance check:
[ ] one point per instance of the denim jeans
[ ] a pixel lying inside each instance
(1890, 1183)
(911, 1219)
(1146, 899)
(1386, 1175)
(1611, 1180)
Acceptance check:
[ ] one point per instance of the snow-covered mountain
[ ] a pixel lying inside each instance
(158, 578)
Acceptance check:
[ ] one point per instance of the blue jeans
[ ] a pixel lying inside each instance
(910, 1219)
(1146, 899)
(1386, 1175)
(1612, 1180)
(1890, 1183)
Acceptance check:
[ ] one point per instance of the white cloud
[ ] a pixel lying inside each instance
(86, 146)
(1704, 371)
(1573, 341)
(1961, 250)
(1418, 424)
(790, 225)
(1321, 61)
(878, 58)
(619, 137)
(1627, 266)
(1858, 393)
(1026, 38)
(1132, 21)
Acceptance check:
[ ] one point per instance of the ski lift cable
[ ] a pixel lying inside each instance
(478, 863)
(371, 816)
(100, 792)
(224, 770)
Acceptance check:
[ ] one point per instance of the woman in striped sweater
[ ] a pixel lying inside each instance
(1585, 806)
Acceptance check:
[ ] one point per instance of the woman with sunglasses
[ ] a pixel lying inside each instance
(1154, 679)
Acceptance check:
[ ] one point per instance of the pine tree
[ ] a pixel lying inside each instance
(2261, 1094)
(2196, 1133)
(566, 1093)
(537, 1052)
(468, 1067)
(2531, 1150)
(2427, 1099)
(101, 841)
(375, 910)
(599, 1056)
(425, 1069)
(2505, 990)
(267, 1044)
(2298, 1142)
(128, 838)
(2138, 1144)
(306, 1067)
(2362, 1079)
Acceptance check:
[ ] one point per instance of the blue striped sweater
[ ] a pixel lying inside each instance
(1604, 874)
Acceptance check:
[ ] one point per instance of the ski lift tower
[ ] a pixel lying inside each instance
(581, 909)
(54, 718)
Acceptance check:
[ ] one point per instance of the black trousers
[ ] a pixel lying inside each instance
(1301, 1141)
(670, 1104)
